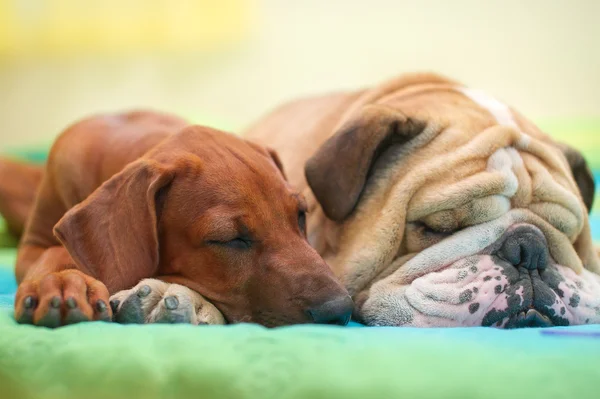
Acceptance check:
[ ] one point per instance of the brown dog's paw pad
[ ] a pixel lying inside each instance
(75, 316)
(51, 319)
(29, 305)
(131, 311)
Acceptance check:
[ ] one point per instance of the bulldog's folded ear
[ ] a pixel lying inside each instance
(338, 171)
(113, 234)
(581, 173)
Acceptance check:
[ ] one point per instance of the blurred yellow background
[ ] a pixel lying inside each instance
(226, 62)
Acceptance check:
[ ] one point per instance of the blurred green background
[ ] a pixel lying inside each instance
(226, 62)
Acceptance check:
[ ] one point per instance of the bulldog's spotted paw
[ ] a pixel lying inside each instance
(154, 301)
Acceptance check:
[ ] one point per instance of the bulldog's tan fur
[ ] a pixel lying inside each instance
(438, 205)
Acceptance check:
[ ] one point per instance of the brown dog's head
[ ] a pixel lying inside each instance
(447, 208)
(214, 212)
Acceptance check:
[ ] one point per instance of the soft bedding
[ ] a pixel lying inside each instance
(104, 360)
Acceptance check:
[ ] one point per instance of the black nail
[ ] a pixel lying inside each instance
(29, 302)
(71, 302)
(100, 306)
(144, 291)
(55, 302)
(114, 305)
(171, 302)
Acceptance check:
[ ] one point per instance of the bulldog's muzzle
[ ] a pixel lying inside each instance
(499, 274)
(524, 258)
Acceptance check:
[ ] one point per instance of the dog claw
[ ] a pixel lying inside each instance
(29, 302)
(55, 302)
(71, 303)
(144, 291)
(171, 302)
(101, 306)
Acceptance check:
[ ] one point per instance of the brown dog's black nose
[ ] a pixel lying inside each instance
(525, 247)
(337, 311)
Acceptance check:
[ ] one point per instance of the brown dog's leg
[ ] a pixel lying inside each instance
(52, 292)
(19, 182)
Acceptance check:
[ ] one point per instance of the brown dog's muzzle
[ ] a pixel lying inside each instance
(294, 286)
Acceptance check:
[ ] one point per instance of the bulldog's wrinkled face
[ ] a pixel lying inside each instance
(463, 214)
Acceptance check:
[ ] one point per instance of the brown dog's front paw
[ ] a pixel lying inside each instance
(155, 301)
(62, 298)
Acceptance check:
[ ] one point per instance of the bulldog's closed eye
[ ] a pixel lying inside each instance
(439, 231)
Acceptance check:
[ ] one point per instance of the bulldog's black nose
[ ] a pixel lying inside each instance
(337, 311)
(525, 247)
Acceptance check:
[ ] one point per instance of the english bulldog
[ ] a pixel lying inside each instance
(438, 205)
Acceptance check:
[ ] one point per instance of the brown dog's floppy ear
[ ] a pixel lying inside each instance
(581, 173)
(338, 171)
(270, 153)
(113, 234)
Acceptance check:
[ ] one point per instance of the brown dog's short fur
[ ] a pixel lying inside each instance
(138, 195)
(17, 192)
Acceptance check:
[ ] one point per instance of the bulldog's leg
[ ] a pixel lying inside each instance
(53, 293)
(155, 301)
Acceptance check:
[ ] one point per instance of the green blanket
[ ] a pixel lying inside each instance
(103, 360)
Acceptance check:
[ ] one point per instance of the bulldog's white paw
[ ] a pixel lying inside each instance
(154, 301)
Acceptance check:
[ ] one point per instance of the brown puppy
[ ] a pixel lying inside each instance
(139, 195)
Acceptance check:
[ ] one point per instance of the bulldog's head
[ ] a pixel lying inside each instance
(447, 208)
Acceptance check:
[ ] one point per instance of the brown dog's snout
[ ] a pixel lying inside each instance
(335, 311)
